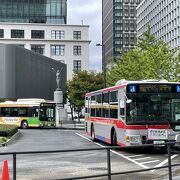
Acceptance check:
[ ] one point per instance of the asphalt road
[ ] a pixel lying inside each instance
(73, 164)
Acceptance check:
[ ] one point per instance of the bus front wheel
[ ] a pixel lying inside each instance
(24, 124)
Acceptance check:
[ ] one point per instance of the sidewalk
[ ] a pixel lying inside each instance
(69, 124)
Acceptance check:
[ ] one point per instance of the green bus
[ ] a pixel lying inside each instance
(28, 113)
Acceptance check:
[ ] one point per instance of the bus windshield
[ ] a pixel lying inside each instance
(153, 108)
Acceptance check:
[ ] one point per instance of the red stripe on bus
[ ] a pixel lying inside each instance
(106, 90)
(122, 125)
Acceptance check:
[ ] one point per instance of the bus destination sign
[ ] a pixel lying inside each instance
(153, 88)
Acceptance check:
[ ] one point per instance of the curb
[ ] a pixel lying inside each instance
(10, 141)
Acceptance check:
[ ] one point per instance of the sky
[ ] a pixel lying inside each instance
(89, 12)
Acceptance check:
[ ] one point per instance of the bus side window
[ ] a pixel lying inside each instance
(23, 111)
(5, 111)
(14, 112)
(92, 111)
(122, 106)
(113, 113)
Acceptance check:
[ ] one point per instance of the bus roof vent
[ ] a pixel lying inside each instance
(28, 100)
(8, 102)
(122, 81)
(155, 80)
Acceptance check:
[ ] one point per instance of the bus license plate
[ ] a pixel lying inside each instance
(159, 143)
(157, 134)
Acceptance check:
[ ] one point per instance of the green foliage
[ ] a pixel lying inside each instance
(150, 59)
(3, 140)
(8, 130)
(81, 83)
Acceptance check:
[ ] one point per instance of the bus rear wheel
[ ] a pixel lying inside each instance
(114, 138)
(24, 124)
(93, 135)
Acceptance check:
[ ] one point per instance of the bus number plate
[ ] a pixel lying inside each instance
(157, 134)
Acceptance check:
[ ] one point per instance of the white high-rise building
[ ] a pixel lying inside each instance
(41, 26)
(162, 16)
(66, 43)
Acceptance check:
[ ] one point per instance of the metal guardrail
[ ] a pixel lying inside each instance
(109, 174)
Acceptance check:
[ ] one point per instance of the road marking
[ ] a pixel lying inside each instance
(166, 161)
(129, 157)
(125, 157)
(135, 155)
(150, 162)
(142, 158)
(83, 137)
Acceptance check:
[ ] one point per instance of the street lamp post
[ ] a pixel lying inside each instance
(103, 63)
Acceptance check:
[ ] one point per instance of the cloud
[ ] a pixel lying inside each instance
(89, 13)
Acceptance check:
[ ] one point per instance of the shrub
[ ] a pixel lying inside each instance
(3, 140)
(8, 130)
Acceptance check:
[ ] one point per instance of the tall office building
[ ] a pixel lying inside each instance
(41, 26)
(118, 26)
(162, 16)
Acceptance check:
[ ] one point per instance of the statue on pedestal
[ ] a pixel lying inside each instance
(58, 78)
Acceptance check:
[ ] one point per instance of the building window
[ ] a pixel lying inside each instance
(77, 35)
(77, 50)
(38, 48)
(57, 50)
(60, 34)
(37, 34)
(1, 33)
(77, 65)
(15, 33)
(126, 11)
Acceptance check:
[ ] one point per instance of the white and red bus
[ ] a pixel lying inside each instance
(134, 113)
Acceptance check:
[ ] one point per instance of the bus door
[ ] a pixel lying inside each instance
(176, 113)
(47, 114)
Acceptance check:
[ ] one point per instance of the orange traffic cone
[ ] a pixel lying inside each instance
(5, 171)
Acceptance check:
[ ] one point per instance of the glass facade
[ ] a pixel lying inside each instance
(34, 11)
(119, 27)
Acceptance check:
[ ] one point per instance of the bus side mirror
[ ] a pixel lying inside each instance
(128, 101)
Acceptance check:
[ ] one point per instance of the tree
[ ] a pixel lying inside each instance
(150, 59)
(81, 83)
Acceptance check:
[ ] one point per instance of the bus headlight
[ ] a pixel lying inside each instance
(132, 139)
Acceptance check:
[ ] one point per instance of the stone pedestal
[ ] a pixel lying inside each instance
(61, 116)
(61, 113)
(58, 97)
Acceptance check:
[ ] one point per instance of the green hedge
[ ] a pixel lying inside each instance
(8, 130)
